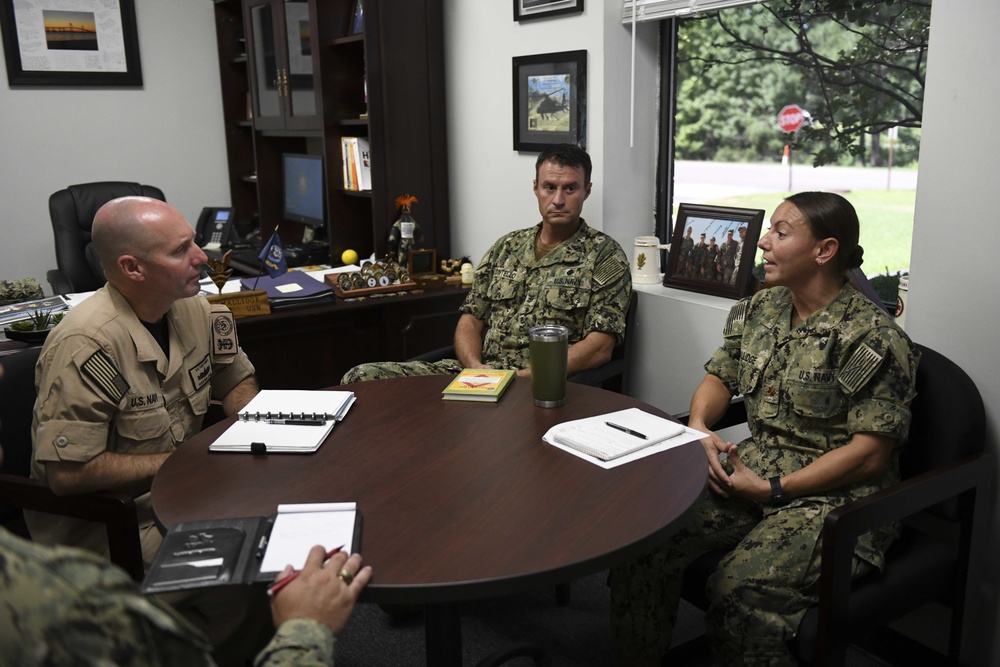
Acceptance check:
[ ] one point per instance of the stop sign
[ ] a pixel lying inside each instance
(790, 118)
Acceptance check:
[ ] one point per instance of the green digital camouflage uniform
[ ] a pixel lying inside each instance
(15, 291)
(583, 284)
(64, 606)
(845, 370)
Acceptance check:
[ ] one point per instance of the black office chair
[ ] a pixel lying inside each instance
(18, 492)
(612, 375)
(72, 211)
(946, 484)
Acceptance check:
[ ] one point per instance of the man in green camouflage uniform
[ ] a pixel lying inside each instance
(65, 606)
(558, 272)
(809, 390)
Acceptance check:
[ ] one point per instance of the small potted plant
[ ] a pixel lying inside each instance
(35, 328)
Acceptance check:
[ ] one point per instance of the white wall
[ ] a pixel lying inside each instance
(953, 294)
(168, 133)
(491, 182)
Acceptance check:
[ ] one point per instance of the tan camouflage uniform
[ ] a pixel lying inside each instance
(583, 284)
(104, 384)
(15, 291)
(847, 369)
(63, 606)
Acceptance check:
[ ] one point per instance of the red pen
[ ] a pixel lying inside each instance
(281, 583)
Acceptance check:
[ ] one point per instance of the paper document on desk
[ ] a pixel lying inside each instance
(616, 438)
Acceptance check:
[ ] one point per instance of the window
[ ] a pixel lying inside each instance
(858, 75)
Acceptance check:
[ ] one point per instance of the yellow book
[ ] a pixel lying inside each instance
(478, 384)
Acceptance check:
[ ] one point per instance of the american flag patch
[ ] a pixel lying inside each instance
(737, 316)
(106, 376)
(860, 368)
(608, 271)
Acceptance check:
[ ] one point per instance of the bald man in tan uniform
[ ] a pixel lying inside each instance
(127, 375)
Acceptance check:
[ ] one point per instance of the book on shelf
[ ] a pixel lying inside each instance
(478, 384)
(279, 421)
(615, 434)
(203, 554)
(356, 156)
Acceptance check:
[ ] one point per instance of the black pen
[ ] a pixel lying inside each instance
(297, 422)
(627, 430)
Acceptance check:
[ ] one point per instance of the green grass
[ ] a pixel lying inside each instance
(886, 224)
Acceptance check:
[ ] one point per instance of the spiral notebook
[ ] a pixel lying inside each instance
(285, 421)
(615, 434)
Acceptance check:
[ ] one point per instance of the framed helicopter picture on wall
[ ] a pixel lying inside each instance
(550, 100)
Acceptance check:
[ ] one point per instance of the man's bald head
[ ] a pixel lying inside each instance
(125, 226)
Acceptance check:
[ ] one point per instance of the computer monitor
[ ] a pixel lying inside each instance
(303, 189)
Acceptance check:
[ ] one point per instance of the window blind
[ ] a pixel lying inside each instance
(656, 10)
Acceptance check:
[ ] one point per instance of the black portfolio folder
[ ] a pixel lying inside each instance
(204, 554)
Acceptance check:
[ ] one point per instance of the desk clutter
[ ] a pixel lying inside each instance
(294, 288)
(283, 421)
(381, 276)
(202, 554)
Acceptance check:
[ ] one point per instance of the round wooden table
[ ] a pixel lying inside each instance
(459, 500)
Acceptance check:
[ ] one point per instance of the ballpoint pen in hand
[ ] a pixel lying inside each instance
(281, 583)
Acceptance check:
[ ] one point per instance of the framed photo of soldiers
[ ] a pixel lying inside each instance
(712, 250)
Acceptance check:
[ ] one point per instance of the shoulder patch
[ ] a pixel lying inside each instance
(737, 317)
(103, 372)
(860, 368)
(224, 341)
(608, 271)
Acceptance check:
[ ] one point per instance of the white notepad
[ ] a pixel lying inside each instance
(298, 528)
(615, 434)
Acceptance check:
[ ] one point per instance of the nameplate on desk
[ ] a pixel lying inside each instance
(244, 304)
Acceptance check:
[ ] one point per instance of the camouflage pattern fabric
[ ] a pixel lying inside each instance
(23, 289)
(808, 389)
(62, 606)
(583, 284)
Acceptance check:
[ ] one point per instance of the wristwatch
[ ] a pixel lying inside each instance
(778, 497)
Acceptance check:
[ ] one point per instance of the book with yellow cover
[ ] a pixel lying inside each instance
(478, 384)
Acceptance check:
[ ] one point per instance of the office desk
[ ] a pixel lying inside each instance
(459, 500)
(313, 346)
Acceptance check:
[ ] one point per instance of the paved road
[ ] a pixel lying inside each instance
(701, 182)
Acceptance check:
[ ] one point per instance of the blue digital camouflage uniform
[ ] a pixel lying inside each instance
(583, 284)
(64, 606)
(847, 369)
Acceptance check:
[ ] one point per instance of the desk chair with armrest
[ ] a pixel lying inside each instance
(942, 502)
(72, 212)
(18, 492)
(612, 375)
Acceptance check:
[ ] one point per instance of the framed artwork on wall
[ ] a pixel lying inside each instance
(713, 248)
(550, 100)
(525, 10)
(77, 43)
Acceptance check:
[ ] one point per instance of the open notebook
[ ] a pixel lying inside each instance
(285, 421)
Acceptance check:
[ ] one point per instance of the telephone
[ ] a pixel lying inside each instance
(215, 228)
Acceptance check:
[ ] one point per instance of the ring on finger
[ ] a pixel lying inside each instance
(345, 576)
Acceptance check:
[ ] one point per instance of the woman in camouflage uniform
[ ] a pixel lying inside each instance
(828, 378)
